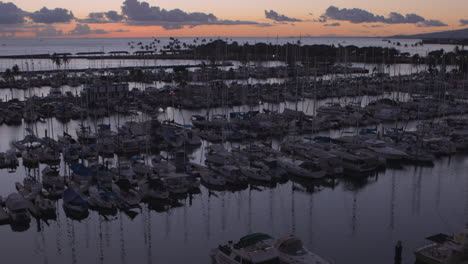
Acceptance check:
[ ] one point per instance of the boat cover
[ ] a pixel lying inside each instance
(15, 202)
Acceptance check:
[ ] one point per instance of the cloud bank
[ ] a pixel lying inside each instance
(273, 15)
(141, 14)
(357, 15)
(102, 17)
(11, 14)
(84, 29)
(50, 16)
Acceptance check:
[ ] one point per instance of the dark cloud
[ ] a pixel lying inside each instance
(169, 25)
(142, 14)
(142, 11)
(102, 17)
(336, 24)
(273, 15)
(50, 16)
(463, 22)
(84, 29)
(354, 15)
(432, 23)
(49, 31)
(357, 15)
(11, 14)
(114, 16)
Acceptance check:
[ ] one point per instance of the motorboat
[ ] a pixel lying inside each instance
(292, 251)
(443, 249)
(255, 248)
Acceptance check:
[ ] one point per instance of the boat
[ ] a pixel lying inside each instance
(444, 249)
(303, 169)
(127, 197)
(52, 181)
(30, 159)
(177, 183)
(210, 178)
(101, 199)
(74, 205)
(4, 217)
(231, 174)
(17, 209)
(30, 188)
(291, 251)
(253, 249)
(153, 188)
(357, 162)
(46, 207)
(255, 174)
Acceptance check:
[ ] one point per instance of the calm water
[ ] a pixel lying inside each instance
(350, 223)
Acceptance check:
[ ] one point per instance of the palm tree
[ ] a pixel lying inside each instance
(15, 70)
(56, 60)
(65, 60)
(7, 75)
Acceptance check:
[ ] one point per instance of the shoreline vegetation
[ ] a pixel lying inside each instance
(221, 50)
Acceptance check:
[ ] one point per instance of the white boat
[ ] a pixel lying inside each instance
(291, 251)
(253, 249)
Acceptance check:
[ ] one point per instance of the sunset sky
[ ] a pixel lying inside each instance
(180, 18)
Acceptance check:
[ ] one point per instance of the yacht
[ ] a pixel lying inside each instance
(253, 249)
(292, 251)
(444, 249)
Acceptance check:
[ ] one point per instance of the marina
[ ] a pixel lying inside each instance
(294, 163)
